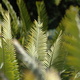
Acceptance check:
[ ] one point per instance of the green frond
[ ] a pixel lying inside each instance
(15, 21)
(26, 21)
(8, 58)
(7, 52)
(70, 38)
(42, 14)
(36, 44)
(6, 30)
(53, 53)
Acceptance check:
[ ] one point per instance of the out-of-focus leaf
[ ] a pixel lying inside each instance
(42, 14)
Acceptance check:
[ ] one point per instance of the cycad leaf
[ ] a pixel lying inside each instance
(70, 39)
(26, 21)
(36, 45)
(53, 53)
(41, 9)
(15, 21)
(6, 30)
(7, 56)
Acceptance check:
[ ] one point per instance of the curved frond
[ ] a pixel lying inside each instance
(7, 52)
(53, 53)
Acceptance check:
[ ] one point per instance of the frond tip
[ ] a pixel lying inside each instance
(41, 9)
(6, 26)
(14, 17)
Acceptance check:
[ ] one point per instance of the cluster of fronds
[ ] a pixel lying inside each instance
(62, 53)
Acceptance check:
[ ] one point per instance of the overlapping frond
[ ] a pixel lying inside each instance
(26, 21)
(36, 46)
(15, 21)
(70, 38)
(53, 53)
(41, 9)
(7, 52)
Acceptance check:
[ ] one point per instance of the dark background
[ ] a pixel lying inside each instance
(55, 13)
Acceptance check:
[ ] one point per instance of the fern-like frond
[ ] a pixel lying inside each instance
(41, 9)
(6, 30)
(36, 45)
(15, 20)
(7, 52)
(70, 38)
(26, 21)
(53, 53)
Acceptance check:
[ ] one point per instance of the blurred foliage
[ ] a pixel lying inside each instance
(59, 48)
